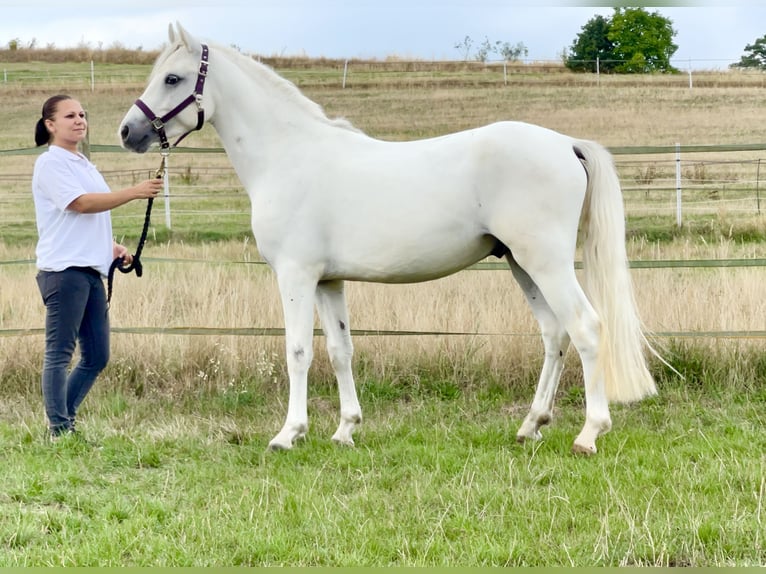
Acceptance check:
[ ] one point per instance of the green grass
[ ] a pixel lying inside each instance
(183, 479)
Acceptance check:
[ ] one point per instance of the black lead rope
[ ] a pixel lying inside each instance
(136, 264)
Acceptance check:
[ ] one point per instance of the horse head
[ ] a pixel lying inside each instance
(172, 104)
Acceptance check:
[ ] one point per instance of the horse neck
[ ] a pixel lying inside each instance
(258, 113)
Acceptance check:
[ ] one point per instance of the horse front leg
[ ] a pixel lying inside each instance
(333, 314)
(297, 291)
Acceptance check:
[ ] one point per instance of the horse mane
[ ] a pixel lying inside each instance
(251, 66)
(288, 89)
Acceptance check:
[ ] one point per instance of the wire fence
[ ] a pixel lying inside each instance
(672, 183)
(355, 73)
(482, 266)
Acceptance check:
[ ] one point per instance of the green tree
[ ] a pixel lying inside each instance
(643, 42)
(592, 44)
(631, 41)
(755, 56)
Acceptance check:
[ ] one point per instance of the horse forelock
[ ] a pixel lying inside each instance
(163, 57)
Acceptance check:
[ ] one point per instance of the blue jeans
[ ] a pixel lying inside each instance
(76, 312)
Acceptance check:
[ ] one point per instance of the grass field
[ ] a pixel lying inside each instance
(173, 469)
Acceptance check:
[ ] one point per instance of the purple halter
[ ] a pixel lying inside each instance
(195, 97)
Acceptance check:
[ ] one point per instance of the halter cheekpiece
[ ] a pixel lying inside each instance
(158, 123)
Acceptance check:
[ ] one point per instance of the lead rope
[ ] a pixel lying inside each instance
(136, 264)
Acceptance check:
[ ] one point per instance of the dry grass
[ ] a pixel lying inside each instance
(226, 292)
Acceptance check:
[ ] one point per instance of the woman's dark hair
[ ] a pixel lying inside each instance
(42, 136)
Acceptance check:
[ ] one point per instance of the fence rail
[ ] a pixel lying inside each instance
(482, 266)
(355, 73)
(663, 180)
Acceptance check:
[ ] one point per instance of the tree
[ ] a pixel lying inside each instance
(631, 41)
(643, 42)
(465, 47)
(485, 49)
(592, 44)
(511, 53)
(755, 56)
(505, 50)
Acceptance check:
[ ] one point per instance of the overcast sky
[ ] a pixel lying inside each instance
(707, 36)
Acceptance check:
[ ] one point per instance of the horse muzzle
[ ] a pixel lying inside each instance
(137, 138)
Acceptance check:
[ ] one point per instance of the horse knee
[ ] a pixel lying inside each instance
(299, 356)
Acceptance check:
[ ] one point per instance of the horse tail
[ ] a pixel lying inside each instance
(607, 282)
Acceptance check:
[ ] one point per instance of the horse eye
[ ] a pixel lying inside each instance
(172, 79)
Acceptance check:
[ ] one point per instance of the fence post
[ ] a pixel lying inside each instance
(690, 74)
(758, 186)
(92, 77)
(678, 185)
(505, 72)
(166, 191)
(598, 71)
(345, 71)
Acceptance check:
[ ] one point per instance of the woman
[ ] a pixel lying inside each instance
(74, 252)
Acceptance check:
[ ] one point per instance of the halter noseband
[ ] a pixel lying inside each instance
(158, 124)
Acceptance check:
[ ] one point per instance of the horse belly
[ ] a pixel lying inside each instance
(408, 259)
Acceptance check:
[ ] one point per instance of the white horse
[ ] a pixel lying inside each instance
(330, 203)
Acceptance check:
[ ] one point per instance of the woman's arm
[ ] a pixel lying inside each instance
(98, 202)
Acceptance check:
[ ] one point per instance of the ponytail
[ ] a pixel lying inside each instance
(42, 136)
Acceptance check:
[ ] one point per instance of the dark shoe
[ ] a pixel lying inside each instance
(56, 433)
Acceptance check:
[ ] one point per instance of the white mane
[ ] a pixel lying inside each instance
(265, 73)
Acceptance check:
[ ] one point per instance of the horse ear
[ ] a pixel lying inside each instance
(191, 43)
(171, 34)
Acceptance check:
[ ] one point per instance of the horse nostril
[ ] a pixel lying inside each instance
(124, 132)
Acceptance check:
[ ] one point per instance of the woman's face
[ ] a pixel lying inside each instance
(68, 126)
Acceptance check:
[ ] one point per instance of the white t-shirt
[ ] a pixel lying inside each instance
(68, 238)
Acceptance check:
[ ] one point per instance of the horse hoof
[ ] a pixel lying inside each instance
(583, 450)
(275, 446)
(343, 441)
(522, 438)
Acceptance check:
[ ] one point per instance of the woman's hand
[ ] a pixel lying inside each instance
(122, 251)
(148, 189)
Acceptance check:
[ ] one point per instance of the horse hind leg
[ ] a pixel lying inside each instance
(555, 343)
(333, 315)
(568, 302)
